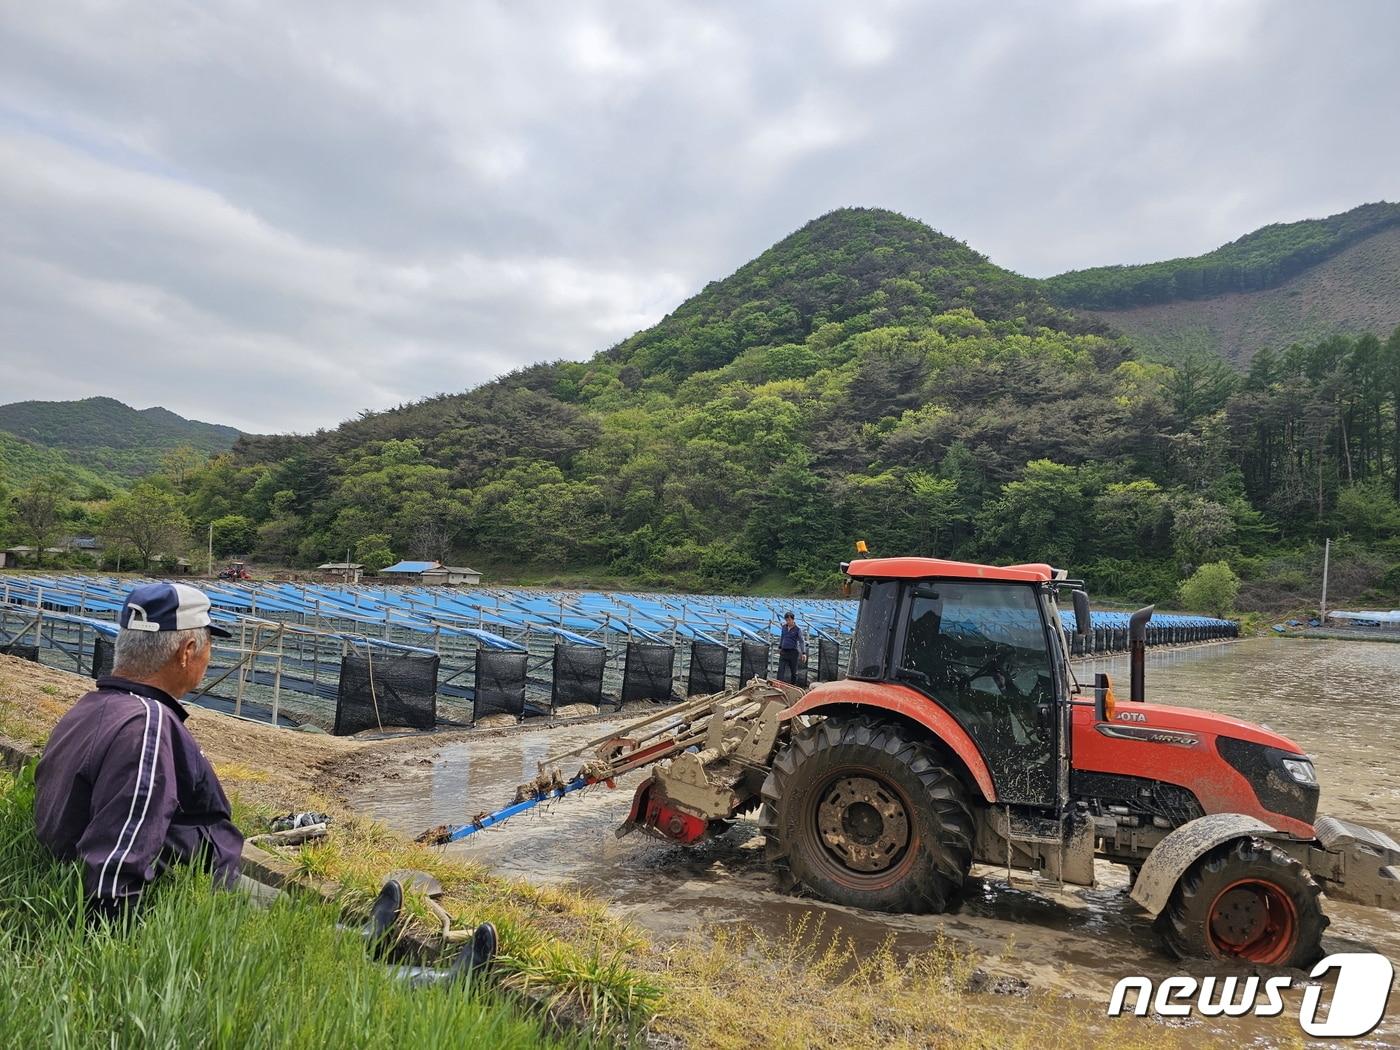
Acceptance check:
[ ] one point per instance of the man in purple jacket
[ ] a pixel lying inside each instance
(122, 786)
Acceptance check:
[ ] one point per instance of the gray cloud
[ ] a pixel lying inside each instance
(275, 215)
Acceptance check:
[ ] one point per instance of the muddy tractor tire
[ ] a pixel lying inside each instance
(1246, 900)
(857, 811)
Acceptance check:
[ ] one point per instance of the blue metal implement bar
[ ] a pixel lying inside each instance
(488, 819)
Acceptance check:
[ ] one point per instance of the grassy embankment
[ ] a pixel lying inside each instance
(211, 968)
(206, 969)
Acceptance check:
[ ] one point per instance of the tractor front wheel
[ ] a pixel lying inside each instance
(1246, 900)
(858, 812)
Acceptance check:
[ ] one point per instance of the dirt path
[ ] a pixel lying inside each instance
(276, 767)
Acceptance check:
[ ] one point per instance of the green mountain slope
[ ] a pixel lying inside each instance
(1262, 259)
(22, 462)
(1352, 292)
(865, 377)
(104, 436)
(853, 264)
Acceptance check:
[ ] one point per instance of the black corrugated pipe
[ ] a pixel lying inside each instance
(1137, 649)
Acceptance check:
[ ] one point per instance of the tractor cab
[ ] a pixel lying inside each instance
(986, 646)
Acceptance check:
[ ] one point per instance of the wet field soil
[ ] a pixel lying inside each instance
(1339, 700)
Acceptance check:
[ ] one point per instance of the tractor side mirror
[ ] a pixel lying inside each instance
(1083, 620)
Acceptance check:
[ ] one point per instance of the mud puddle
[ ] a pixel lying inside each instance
(1339, 700)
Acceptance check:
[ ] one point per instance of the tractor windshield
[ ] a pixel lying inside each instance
(981, 650)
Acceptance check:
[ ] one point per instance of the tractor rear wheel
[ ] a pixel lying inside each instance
(858, 812)
(1246, 900)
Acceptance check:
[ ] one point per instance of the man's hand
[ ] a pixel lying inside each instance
(802, 659)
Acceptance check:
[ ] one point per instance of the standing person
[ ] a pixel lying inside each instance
(122, 786)
(792, 649)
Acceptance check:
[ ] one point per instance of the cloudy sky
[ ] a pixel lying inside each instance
(277, 214)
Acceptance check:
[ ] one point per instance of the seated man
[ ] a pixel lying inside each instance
(122, 785)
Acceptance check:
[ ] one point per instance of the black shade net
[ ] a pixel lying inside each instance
(708, 662)
(753, 661)
(384, 690)
(648, 672)
(104, 654)
(578, 675)
(500, 683)
(828, 660)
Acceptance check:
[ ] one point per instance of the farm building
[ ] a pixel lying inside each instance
(452, 575)
(1378, 619)
(341, 571)
(433, 573)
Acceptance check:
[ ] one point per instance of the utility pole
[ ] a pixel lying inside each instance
(1326, 564)
(211, 549)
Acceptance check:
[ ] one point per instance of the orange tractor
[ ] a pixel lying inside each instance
(961, 735)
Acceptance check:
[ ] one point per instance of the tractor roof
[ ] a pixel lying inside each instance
(938, 568)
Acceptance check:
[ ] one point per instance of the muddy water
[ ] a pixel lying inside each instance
(1339, 700)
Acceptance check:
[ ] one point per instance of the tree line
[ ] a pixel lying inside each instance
(1262, 259)
(955, 440)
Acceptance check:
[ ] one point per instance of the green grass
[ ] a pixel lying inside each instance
(208, 969)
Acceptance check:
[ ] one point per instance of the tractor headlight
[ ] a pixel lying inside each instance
(1301, 770)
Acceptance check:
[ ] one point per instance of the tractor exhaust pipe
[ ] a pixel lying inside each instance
(1137, 653)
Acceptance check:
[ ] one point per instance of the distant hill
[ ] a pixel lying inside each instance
(1282, 284)
(1353, 292)
(1262, 259)
(100, 437)
(865, 265)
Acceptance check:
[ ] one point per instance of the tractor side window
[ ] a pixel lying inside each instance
(870, 645)
(980, 650)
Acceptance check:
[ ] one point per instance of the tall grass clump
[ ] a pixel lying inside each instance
(741, 989)
(557, 946)
(207, 969)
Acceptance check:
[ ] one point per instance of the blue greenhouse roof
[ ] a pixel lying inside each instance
(412, 566)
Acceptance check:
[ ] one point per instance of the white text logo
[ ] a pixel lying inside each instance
(1356, 1004)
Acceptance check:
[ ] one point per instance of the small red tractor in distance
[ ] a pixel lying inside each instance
(961, 735)
(236, 570)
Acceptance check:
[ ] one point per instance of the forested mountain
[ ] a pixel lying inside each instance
(1262, 259)
(864, 378)
(102, 437)
(1353, 292)
(1282, 284)
(22, 462)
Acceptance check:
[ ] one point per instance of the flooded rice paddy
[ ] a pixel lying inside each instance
(1339, 700)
